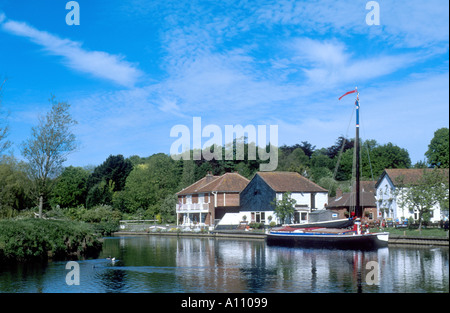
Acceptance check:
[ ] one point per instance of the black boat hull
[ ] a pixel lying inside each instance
(326, 241)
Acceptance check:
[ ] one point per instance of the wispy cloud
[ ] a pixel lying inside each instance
(411, 23)
(97, 63)
(328, 63)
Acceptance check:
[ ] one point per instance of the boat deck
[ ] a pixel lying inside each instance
(321, 230)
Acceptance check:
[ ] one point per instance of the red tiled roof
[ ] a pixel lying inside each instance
(368, 185)
(403, 176)
(228, 182)
(289, 182)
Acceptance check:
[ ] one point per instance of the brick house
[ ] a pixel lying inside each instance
(208, 199)
(343, 203)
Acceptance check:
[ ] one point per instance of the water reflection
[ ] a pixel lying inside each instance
(244, 266)
(171, 264)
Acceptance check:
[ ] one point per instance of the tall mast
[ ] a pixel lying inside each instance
(358, 210)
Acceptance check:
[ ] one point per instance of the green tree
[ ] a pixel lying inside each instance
(168, 208)
(107, 179)
(384, 156)
(374, 159)
(14, 187)
(321, 165)
(115, 168)
(438, 149)
(284, 208)
(341, 145)
(150, 183)
(188, 174)
(70, 188)
(296, 161)
(136, 194)
(48, 147)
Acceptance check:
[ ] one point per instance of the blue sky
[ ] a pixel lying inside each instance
(134, 69)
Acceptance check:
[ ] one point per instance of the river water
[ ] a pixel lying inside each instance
(160, 264)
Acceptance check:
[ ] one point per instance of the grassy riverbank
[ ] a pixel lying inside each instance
(38, 239)
(406, 232)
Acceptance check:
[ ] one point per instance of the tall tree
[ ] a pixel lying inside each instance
(115, 168)
(48, 147)
(438, 149)
(307, 148)
(342, 144)
(107, 179)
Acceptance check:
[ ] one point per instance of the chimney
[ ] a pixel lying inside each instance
(209, 177)
(338, 193)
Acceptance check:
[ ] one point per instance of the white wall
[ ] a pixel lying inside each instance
(304, 199)
(386, 198)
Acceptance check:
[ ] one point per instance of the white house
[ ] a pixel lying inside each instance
(388, 195)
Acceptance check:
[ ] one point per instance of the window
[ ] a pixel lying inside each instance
(313, 200)
(303, 216)
(258, 217)
(300, 217)
(261, 217)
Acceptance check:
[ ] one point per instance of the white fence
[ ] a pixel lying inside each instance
(185, 207)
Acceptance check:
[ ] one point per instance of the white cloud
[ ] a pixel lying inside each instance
(97, 63)
(170, 106)
(327, 63)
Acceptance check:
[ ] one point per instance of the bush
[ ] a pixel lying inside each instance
(30, 239)
(256, 225)
(104, 218)
(100, 213)
(106, 228)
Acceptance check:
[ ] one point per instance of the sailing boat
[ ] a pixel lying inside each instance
(341, 238)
